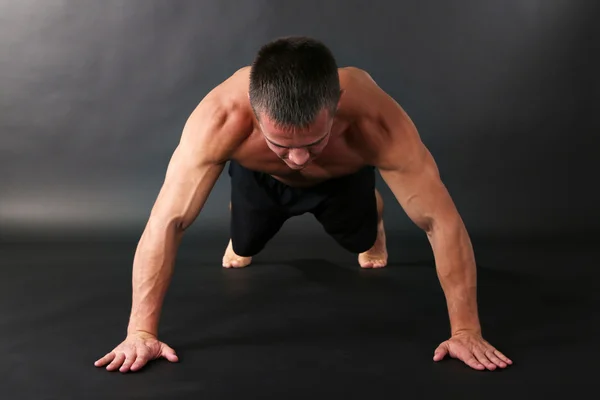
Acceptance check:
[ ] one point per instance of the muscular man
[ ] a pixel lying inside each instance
(302, 136)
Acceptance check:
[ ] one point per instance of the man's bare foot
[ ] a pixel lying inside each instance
(232, 260)
(376, 256)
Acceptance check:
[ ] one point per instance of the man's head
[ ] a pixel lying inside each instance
(294, 92)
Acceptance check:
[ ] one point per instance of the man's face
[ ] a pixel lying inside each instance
(297, 147)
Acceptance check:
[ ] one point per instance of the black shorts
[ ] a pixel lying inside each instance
(346, 207)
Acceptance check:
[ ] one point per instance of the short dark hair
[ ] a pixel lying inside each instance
(292, 79)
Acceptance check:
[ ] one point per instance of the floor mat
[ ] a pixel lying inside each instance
(300, 321)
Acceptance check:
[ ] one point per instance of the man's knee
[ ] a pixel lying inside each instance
(252, 230)
(245, 247)
(357, 240)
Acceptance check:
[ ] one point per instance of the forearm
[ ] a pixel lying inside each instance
(152, 271)
(456, 269)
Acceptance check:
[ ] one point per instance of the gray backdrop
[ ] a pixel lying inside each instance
(94, 94)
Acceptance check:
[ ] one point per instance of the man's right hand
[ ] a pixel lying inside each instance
(135, 351)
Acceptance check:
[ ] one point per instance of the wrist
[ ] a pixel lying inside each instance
(141, 333)
(138, 327)
(472, 330)
(133, 331)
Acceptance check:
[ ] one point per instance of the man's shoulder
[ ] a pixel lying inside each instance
(232, 93)
(222, 120)
(360, 93)
(355, 78)
(238, 79)
(226, 102)
(379, 122)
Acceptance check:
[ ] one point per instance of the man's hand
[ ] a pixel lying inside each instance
(473, 350)
(135, 351)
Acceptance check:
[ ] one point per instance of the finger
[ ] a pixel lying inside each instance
(129, 360)
(493, 358)
(440, 352)
(140, 360)
(169, 353)
(482, 358)
(105, 360)
(503, 357)
(472, 362)
(463, 353)
(117, 362)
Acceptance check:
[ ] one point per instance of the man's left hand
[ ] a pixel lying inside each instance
(473, 350)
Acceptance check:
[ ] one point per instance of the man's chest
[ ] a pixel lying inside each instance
(336, 161)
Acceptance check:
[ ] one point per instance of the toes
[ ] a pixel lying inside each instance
(236, 263)
(231, 264)
(373, 263)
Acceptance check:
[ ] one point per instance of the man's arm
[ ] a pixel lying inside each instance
(408, 168)
(186, 188)
(211, 135)
(195, 166)
(410, 171)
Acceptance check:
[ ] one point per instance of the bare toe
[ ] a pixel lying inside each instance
(367, 260)
(232, 260)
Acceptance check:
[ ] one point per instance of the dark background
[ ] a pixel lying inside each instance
(95, 94)
(93, 98)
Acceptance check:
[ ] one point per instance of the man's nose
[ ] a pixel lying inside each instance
(298, 156)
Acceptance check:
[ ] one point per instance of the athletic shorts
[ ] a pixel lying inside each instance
(346, 207)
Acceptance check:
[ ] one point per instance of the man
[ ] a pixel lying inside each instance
(302, 135)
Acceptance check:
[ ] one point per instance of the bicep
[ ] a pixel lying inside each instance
(419, 190)
(411, 173)
(208, 138)
(406, 165)
(188, 182)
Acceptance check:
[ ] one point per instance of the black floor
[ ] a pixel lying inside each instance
(302, 321)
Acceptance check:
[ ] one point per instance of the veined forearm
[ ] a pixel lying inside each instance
(456, 269)
(152, 271)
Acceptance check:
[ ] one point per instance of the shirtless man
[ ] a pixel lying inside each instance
(302, 135)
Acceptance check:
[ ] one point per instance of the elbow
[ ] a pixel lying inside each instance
(182, 224)
(427, 225)
(174, 224)
(446, 225)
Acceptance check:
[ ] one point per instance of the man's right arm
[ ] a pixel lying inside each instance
(210, 135)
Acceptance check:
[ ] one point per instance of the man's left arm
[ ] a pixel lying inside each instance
(411, 173)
